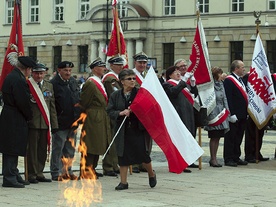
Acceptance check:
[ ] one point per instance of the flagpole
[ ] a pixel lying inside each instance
(117, 30)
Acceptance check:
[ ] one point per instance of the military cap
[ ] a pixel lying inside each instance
(141, 56)
(116, 60)
(66, 64)
(27, 61)
(39, 67)
(97, 62)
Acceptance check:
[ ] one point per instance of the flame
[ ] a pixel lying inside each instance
(88, 189)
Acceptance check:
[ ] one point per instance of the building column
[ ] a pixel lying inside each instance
(139, 46)
(94, 50)
(130, 53)
(101, 48)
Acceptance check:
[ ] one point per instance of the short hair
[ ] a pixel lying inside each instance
(178, 61)
(125, 73)
(216, 71)
(235, 64)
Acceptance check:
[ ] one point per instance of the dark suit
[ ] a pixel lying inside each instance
(237, 106)
(13, 124)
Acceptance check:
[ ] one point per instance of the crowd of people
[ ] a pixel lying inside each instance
(38, 115)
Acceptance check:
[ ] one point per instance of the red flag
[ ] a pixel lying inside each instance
(201, 67)
(155, 111)
(15, 46)
(117, 43)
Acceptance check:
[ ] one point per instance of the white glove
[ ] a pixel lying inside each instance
(187, 76)
(233, 119)
(274, 116)
(193, 80)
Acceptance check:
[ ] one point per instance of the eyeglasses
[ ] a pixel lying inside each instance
(130, 79)
(182, 66)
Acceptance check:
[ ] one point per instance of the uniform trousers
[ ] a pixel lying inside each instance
(9, 169)
(61, 147)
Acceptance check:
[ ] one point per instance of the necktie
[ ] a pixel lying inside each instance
(240, 79)
(39, 84)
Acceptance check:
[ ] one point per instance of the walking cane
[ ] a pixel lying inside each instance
(26, 168)
(199, 143)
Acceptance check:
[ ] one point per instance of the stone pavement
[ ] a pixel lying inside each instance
(243, 186)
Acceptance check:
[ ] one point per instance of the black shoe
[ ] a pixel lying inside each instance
(153, 181)
(187, 171)
(45, 180)
(73, 177)
(193, 166)
(264, 159)
(241, 162)
(122, 186)
(250, 161)
(231, 164)
(33, 181)
(117, 171)
(214, 165)
(56, 178)
(135, 170)
(98, 174)
(24, 182)
(13, 185)
(110, 173)
(143, 170)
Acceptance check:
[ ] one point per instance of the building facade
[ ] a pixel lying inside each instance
(78, 30)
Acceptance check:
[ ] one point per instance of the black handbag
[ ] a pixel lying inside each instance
(200, 116)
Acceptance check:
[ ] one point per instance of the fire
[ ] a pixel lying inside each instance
(88, 189)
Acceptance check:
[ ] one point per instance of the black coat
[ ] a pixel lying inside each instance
(15, 114)
(67, 95)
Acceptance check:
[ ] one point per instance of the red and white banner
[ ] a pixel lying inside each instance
(201, 68)
(15, 47)
(261, 94)
(117, 43)
(154, 109)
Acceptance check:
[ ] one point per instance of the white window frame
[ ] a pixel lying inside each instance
(202, 5)
(238, 3)
(9, 11)
(122, 10)
(34, 11)
(268, 6)
(59, 4)
(84, 8)
(170, 7)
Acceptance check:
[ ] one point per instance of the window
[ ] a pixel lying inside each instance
(59, 9)
(271, 53)
(83, 58)
(33, 53)
(168, 54)
(237, 5)
(122, 10)
(271, 4)
(84, 8)
(169, 7)
(9, 10)
(57, 56)
(204, 6)
(236, 49)
(34, 11)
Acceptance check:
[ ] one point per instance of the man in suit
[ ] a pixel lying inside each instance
(14, 119)
(111, 83)
(67, 94)
(237, 101)
(44, 119)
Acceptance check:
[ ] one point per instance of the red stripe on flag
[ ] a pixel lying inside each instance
(150, 114)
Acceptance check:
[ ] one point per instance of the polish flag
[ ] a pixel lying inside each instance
(155, 111)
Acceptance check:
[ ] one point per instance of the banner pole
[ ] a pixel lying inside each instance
(199, 143)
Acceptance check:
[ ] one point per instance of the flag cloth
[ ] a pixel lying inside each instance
(201, 67)
(155, 111)
(15, 47)
(261, 94)
(117, 43)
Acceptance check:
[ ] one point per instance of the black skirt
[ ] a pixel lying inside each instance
(216, 133)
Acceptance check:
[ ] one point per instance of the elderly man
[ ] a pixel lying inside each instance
(14, 121)
(66, 93)
(111, 83)
(44, 119)
(97, 123)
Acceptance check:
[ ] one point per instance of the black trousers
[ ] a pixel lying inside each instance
(251, 133)
(9, 169)
(233, 140)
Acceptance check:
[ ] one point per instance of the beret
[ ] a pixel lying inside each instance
(27, 61)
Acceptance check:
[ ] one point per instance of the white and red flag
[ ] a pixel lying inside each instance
(117, 43)
(154, 109)
(15, 47)
(261, 94)
(201, 68)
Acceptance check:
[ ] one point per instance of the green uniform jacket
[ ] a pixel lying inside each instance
(38, 121)
(97, 123)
